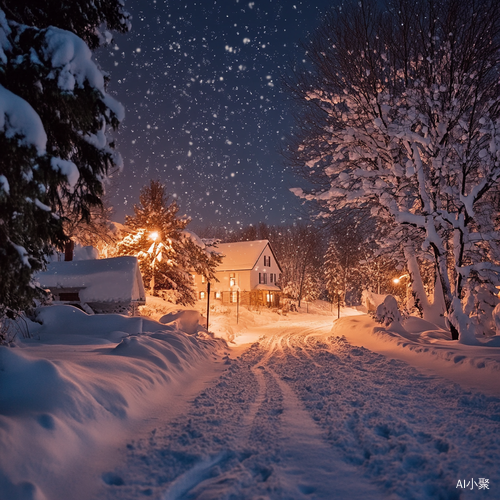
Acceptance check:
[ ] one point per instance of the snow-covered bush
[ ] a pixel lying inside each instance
(220, 309)
(171, 296)
(496, 318)
(388, 312)
(371, 300)
(13, 327)
(482, 301)
(155, 308)
(288, 305)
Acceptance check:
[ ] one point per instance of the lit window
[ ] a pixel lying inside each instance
(217, 295)
(232, 281)
(234, 297)
(269, 297)
(203, 279)
(202, 295)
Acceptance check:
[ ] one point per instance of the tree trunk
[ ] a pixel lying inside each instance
(442, 270)
(418, 290)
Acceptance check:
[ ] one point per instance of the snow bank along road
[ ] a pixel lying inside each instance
(303, 414)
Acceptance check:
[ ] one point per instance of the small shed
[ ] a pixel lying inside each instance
(105, 285)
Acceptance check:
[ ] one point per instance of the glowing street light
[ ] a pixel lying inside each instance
(396, 281)
(156, 255)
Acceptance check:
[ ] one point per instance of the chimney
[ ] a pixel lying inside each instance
(68, 250)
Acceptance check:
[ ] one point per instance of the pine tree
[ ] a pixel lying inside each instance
(54, 121)
(166, 251)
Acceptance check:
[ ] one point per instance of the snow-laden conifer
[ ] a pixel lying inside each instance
(168, 254)
(55, 117)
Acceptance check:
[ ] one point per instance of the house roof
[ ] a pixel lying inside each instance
(267, 288)
(242, 255)
(106, 280)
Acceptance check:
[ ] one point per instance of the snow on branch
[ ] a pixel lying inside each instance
(67, 168)
(72, 64)
(19, 120)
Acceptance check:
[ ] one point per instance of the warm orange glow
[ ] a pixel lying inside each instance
(154, 235)
(397, 280)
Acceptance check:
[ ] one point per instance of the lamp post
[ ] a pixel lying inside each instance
(235, 288)
(237, 304)
(154, 236)
(396, 281)
(208, 302)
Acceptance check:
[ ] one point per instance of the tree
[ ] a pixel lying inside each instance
(402, 114)
(299, 250)
(166, 251)
(55, 116)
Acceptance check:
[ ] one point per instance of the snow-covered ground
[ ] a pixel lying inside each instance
(293, 406)
(76, 390)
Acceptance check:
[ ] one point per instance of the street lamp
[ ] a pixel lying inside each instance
(235, 289)
(396, 281)
(154, 236)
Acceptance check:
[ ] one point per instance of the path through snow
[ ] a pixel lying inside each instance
(303, 414)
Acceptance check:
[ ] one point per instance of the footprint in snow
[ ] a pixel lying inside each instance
(112, 479)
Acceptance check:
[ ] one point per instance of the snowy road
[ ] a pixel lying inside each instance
(302, 414)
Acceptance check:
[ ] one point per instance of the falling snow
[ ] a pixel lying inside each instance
(199, 81)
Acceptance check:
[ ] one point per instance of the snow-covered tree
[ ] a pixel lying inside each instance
(349, 256)
(299, 249)
(402, 114)
(55, 116)
(168, 254)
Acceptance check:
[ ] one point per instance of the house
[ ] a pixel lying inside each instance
(105, 285)
(249, 274)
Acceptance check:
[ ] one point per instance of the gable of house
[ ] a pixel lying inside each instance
(245, 255)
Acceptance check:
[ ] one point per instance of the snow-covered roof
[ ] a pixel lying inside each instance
(107, 280)
(241, 255)
(267, 288)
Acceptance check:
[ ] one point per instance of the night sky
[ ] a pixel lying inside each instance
(205, 112)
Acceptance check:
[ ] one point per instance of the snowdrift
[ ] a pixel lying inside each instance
(429, 347)
(81, 380)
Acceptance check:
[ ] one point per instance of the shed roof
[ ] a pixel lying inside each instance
(242, 255)
(105, 280)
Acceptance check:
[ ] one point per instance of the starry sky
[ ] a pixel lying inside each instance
(205, 111)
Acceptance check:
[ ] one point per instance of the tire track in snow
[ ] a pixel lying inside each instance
(225, 445)
(406, 431)
(245, 437)
(303, 415)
